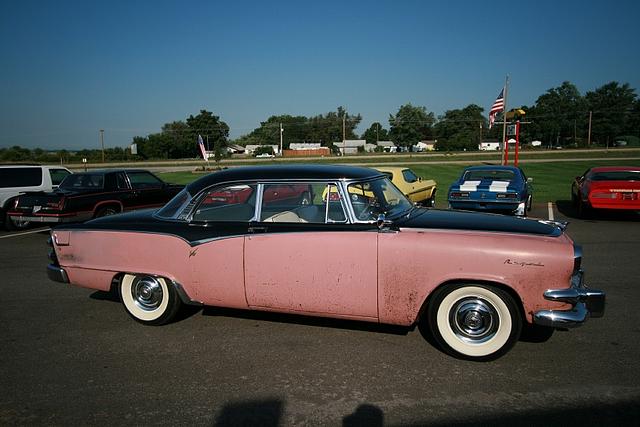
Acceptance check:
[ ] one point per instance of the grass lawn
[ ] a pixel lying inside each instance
(551, 181)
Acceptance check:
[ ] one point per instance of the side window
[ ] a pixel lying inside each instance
(228, 203)
(57, 175)
(143, 180)
(316, 203)
(334, 211)
(409, 176)
(20, 177)
(121, 181)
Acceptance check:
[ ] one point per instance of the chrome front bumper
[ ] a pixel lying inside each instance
(586, 303)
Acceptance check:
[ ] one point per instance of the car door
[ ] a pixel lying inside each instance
(147, 189)
(309, 259)
(216, 253)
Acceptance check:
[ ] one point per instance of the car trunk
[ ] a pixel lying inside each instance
(615, 194)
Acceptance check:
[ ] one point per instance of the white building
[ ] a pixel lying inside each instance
(489, 146)
(387, 146)
(304, 146)
(350, 146)
(249, 149)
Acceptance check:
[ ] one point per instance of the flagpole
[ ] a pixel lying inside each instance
(504, 120)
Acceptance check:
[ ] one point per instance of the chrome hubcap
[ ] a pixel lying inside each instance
(474, 320)
(147, 293)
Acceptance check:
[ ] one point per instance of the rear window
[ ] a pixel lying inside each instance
(58, 175)
(83, 182)
(616, 176)
(479, 175)
(20, 177)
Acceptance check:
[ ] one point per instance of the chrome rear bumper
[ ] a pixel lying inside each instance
(57, 274)
(586, 303)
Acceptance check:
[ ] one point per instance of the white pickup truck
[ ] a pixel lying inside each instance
(18, 179)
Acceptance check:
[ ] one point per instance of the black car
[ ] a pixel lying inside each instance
(93, 194)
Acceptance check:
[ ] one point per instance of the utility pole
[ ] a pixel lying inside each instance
(102, 143)
(281, 131)
(589, 137)
(377, 130)
(344, 133)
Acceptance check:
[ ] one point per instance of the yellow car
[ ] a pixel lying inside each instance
(418, 190)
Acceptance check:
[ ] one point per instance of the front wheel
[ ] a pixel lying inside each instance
(149, 299)
(473, 321)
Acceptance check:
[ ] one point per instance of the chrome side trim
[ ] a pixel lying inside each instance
(586, 303)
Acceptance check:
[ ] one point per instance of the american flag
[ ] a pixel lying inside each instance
(202, 150)
(497, 106)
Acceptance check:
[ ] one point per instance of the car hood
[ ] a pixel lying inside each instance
(475, 221)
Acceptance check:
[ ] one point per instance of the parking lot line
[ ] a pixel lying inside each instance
(550, 207)
(37, 230)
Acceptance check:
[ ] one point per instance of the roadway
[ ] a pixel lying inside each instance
(71, 356)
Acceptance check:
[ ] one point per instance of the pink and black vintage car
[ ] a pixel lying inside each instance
(367, 253)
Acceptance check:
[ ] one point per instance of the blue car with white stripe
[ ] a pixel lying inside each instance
(503, 189)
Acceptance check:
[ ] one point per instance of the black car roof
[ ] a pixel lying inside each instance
(103, 171)
(278, 172)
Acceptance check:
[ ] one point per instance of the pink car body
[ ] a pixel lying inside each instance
(503, 272)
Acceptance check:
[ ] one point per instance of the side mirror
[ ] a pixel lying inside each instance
(381, 222)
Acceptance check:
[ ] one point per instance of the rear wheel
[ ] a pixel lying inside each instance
(583, 209)
(149, 299)
(106, 211)
(431, 201)
(475, 322)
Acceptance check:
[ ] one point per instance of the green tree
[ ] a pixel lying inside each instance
(633, 122)
(612, 107)
(411, 125)
(375, 133)
(558, 114)
(210, 127)
(460, 129)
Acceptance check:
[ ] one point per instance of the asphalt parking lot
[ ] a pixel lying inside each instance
(71, 356)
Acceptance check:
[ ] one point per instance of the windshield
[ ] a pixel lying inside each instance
(372, 198)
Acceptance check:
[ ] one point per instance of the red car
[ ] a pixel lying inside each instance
(615, 187)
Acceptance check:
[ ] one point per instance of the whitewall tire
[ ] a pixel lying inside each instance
(149, 299)
(475, 322)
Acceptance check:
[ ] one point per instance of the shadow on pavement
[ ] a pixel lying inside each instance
(566, 208)
(269, 413)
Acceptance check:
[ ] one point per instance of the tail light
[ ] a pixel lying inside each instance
(57, 205)
(603, 195)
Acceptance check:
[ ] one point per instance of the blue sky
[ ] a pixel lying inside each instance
(70, 68)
